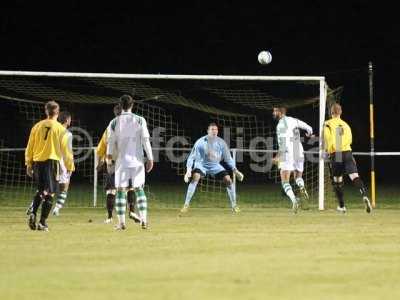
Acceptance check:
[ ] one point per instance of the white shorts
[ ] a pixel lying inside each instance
(123, 175)
(292, 164)
(64, 176)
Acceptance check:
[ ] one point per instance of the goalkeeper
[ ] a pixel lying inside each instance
(205, 159)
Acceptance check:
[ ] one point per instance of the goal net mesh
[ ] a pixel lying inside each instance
(177, 113)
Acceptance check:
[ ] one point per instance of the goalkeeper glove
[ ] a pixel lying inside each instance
(239, 175)
(187, 175)
(326, 156)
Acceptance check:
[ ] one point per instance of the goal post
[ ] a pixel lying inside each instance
(321, 163)
(235, 101)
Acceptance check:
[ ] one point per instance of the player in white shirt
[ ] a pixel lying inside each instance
(63, 176)
(127, 138)
(101, 151)
(290, 157)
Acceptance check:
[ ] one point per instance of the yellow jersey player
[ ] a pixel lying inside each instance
(47, 144)
(338, 140)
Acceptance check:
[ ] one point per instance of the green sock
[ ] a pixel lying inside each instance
(289, 191)
(141, 202)
(61, 199)
(120, 206)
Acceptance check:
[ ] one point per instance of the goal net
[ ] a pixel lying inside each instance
(178, 109)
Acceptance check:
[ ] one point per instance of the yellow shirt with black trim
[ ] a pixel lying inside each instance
(48, 140)
(337, 136)
(101, 149)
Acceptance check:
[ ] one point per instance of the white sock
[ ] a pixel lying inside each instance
(232, 195)
(190, 192)
(300, 182)
(289, 191)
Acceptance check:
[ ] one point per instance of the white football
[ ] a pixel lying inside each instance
(264, 57)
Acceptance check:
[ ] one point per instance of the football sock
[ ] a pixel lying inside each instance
(190, 192)
(131, 201)
(61, 199)
(120, 206)
(37, 200)
(110, 204)
(232, 194)
(46, 207)
(289, 191)
(338, 187)
(141, 201)
(300, 182)
(358, 183)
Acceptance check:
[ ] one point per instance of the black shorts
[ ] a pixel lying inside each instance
(46, 175)
(343, 163)
(219, 175)
(110, 181)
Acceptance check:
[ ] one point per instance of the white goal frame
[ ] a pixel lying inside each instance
(319, 79)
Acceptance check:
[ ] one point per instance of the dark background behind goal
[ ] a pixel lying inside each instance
(223, 38)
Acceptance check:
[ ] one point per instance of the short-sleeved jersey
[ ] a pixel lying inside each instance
(210, 151)
(49, 140)
(69, 138)
(288, 134)
(126, 137)
(337, 135)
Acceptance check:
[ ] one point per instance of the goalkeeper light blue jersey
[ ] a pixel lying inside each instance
(208, 152)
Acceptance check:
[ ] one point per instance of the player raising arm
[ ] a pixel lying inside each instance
(290, 156)
(205, 159)
(128, 137)
(47, 144)
(338, 140)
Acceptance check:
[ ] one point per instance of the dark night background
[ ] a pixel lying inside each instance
(336, 40)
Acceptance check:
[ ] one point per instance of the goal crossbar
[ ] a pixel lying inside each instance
(161, 76)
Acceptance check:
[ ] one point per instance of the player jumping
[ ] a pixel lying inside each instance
(338, 139)
(290, 157)
(128, 136)
(205, 159)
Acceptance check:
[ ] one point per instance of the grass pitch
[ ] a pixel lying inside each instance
(208, 254)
